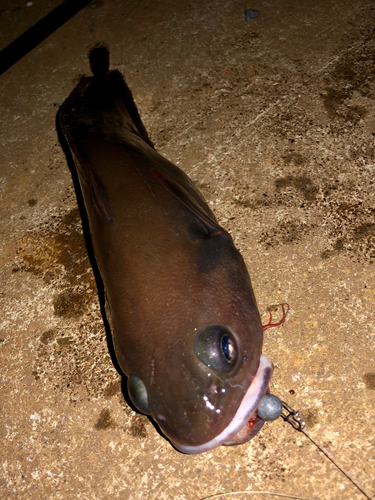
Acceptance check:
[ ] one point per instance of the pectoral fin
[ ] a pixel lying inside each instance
(192, 204)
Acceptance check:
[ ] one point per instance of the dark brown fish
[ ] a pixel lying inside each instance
(183, 315)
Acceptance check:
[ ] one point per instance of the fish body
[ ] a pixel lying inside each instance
(184, 320)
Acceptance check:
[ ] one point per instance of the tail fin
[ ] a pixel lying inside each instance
(99, 60)
(117, 87)
(122, 92)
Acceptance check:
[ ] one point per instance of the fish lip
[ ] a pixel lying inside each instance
(245, 411)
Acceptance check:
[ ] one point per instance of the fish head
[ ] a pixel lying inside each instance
(206, 375)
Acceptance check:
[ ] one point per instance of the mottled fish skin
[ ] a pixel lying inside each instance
(170, 271)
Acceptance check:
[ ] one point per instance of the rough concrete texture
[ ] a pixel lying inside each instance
(273, 118)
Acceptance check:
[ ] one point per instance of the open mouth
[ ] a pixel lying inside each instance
(246, 423)
(249, 430)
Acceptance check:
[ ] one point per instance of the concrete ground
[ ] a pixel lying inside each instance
(274, 119)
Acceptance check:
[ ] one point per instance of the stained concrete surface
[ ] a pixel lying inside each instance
(273, 118)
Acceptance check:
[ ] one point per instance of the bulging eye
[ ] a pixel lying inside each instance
(228, 348)
(217, 348)
(138, 394)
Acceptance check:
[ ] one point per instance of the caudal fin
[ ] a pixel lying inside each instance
(99, 60)
(116, 87)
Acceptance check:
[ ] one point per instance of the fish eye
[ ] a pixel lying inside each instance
(228, 348)
(138, 394)
(216, 347)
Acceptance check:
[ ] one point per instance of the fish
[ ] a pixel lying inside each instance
(183, 316)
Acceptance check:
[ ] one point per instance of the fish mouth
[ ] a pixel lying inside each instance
(245, 423)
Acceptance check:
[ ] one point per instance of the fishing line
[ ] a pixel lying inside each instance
(329, 456)
(271, 493)
(292, 417)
